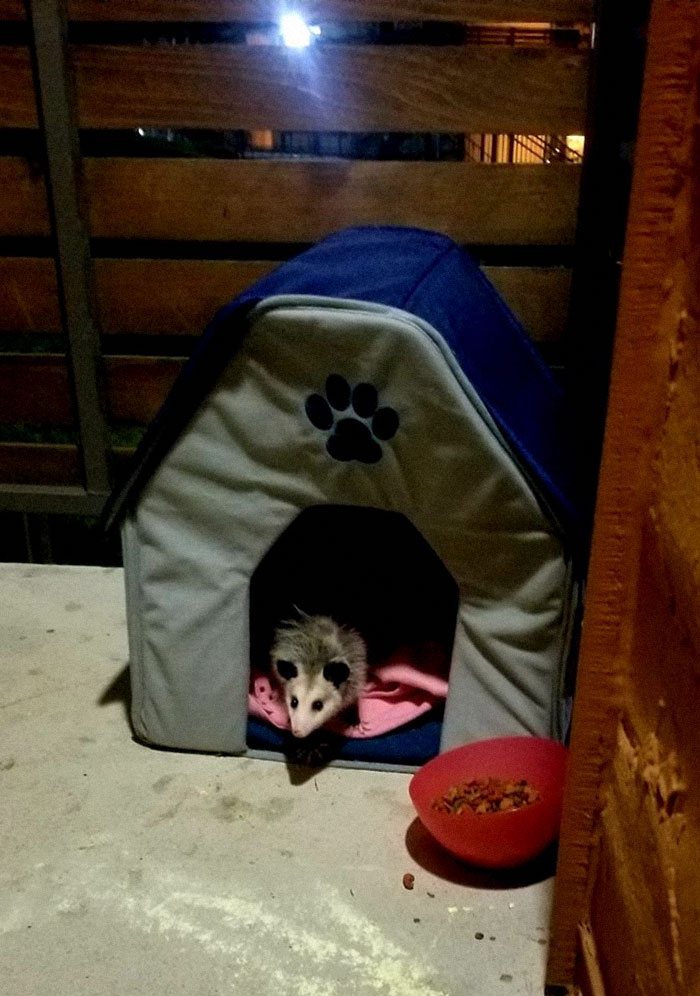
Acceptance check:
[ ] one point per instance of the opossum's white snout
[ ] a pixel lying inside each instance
(303, 725)
(299, 730)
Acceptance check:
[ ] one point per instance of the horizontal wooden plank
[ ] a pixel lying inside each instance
(303, 201)
(39, 463)
(337, 88)
(179, 296)
(168, 296)
(35, 388)
(47, 463)
(538, 297)
(23, 204)
(330, 88)
(465, 11)
(12, 10)
(149, 296)
(17, 101)
(138, 385)
(44, 499)
(28, 295)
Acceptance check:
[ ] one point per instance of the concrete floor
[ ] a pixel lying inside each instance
(125, 869)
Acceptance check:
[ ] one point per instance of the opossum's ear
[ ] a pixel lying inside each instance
(286, 669)
(336, 672)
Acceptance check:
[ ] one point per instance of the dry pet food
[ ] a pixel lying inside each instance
(486, 795)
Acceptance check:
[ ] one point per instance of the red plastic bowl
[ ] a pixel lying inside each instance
(495, 840)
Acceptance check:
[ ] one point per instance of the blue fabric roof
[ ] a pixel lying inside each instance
(428, 275)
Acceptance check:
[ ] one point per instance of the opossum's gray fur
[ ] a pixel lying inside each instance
(312, 644)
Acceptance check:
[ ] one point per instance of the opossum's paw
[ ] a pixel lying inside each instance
(356, 435)
(315, 751)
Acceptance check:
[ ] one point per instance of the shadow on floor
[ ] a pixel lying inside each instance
(427, 853)
(119, 690)
(299, 774)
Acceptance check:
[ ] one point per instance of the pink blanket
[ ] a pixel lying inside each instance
(409, 683)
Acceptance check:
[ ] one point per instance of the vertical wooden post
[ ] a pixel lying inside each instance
(57, 118)
(628, 882)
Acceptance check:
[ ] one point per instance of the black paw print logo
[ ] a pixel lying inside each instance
(355, 435)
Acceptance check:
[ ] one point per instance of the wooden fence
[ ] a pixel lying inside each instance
(167, 240)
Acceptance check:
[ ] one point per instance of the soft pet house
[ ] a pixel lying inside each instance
(376, 388)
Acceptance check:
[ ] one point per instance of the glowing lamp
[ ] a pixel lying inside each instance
(295, 32)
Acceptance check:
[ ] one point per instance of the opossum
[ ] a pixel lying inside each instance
(321, 667)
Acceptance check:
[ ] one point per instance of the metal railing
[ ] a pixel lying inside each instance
(542, 149)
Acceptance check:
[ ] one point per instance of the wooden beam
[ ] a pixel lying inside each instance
(39, 463)
(330, 88)
(539, 298)
(466, 11)
(56, 464)
(169, 296)
(35, 388)
(23, 206)
(640, 640)
(59, 499)
(303, 201)
(138, 385)
(591, 977)
(55, 101)
(17, 100)
(12, 10)
(28, 295)
(179, 296)
(142, 296)
(339, 88)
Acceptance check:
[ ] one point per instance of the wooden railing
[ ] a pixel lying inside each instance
(173, 238)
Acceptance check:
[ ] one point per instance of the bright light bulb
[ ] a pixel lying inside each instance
(295, 32)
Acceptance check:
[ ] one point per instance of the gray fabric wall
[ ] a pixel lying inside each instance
(251, 460)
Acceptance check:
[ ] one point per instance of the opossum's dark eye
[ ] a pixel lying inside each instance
(286, 670)
(294, 702)
(317, 705)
